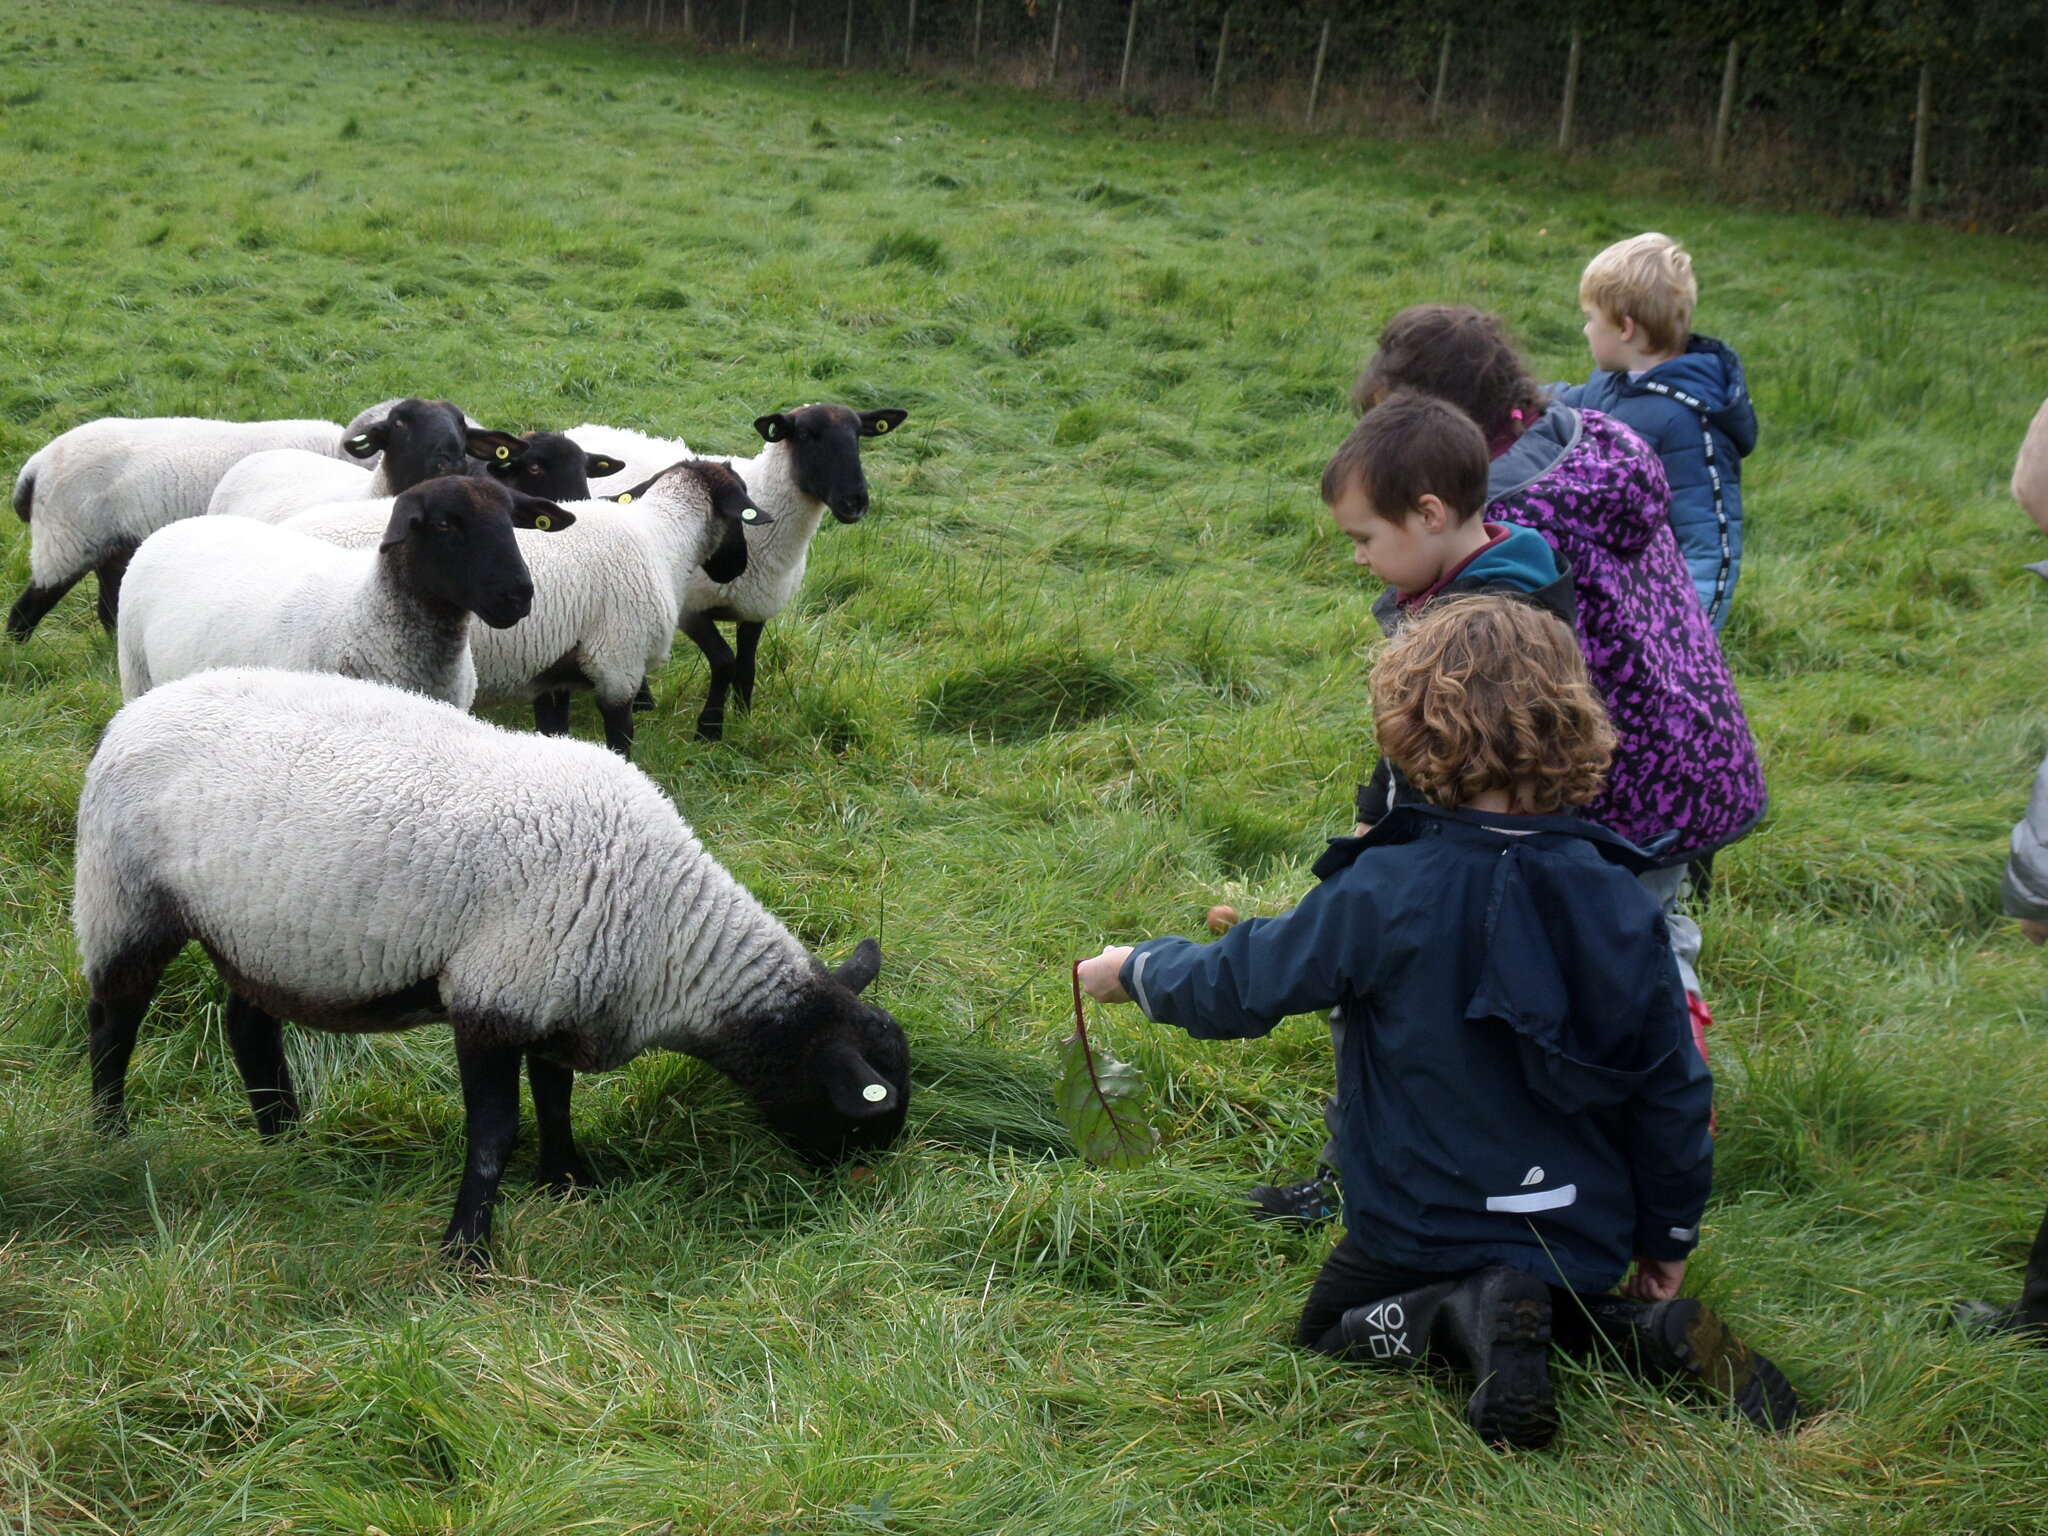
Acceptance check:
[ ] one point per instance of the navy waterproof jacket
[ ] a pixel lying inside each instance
(1517, 1083)
(1695, 412)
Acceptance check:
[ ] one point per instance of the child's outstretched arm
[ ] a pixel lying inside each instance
(1264, 970)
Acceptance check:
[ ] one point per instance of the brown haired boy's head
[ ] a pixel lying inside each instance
(1488, 694)
(1407, 487)
(1459, 354)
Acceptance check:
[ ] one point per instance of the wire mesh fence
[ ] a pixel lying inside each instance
(1873, 106)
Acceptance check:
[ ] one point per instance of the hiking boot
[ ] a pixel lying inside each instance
(1983, 1318)
(1496, 1324)
(1685, 1339)
(1307, 1204)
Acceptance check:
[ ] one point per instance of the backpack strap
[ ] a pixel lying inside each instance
(1699, 408)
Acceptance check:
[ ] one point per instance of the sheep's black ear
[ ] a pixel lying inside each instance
(877, 423)
(542, 516)
(368, 441)
(493, 447)
(773, 428)
(597, 466)
(407, 513)
(855, 1089)
(860, 967)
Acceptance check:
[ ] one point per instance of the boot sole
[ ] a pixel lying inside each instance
(1514, 1405)
(1702, 1347)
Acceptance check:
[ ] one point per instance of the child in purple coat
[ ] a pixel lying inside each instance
(1685, 780)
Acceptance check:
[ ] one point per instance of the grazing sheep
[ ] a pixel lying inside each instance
(229, 591)
(355, 858)
(91, 495)
(415, 440)
(605, 607)
(811, 462)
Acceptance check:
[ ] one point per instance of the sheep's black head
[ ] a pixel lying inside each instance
(552, 466)
(453, 537)
(732, 512)
(824, 451)
(832, 1075)
(423, 440)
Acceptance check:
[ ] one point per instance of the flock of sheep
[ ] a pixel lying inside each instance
(295, 783)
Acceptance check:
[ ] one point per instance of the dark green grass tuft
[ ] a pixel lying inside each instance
(1094, 663)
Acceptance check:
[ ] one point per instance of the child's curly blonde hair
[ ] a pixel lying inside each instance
(1487, 692)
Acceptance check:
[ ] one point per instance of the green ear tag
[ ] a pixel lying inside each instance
(504, 452)
(749, 515)
(360, 440)
(543, 522)
(874, 1093)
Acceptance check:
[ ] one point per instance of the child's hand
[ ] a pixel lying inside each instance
(1098, 976)
(1654, 1279)
(2035, 930)
(1361, 829)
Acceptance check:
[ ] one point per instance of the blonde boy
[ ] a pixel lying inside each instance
(1681, 392)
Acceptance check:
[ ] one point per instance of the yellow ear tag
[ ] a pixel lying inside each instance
(504, 452)
(543, 522)
(881, 426)
(625, 497)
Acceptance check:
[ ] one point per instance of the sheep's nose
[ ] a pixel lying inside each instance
(851, 508)
(514, 602)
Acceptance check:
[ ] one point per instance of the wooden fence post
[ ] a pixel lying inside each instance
(743, 24)
(846, 48)
(1916, 195)
(1123, 76)
(790, 46)
(1052, 73)
(910, 36)
(1571, 94)
(1724, 118)
(1315, 83)
(974, 57)
(1443, 77)
(689, 26)
(1222, 46)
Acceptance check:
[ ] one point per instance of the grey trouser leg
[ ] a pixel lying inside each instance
(1668, 887)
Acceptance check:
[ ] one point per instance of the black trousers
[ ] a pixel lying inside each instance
(2034, 1289)
(1350, 1277)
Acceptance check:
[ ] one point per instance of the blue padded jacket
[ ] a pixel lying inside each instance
(1518, 1083)
(1695, 412)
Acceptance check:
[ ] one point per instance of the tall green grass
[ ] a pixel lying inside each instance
(1094, 662)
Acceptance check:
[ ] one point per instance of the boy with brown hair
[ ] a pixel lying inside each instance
(1521, 1110)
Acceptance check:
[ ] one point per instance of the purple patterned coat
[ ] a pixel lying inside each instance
(1684, 760)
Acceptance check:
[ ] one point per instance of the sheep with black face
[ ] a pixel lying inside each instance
(811, 464)
(397, 862)
(229, 591)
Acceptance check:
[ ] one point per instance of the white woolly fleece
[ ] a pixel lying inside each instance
(336, 841)
(604, 589)
(229, 592)
(107, 485)
(271, 487)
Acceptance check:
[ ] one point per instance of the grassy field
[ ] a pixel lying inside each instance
(1094, 662)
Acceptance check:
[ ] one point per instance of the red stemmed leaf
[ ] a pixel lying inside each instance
(1104, 1103)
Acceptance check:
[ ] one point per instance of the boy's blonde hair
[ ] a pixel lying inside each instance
(1647, 279)
(1487, 692)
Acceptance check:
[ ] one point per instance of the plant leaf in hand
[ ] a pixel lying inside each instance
(1105, 1104)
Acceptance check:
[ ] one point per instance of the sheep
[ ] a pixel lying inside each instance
(229, 591)
(414, 440)
(91, 495)
(357, 858)
(811, 462)
(605, 595)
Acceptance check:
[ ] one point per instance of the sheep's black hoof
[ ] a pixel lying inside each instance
(711, 730)
(467, 1258)
(575, 1183)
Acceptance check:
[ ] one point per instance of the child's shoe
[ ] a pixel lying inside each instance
(1309, 1203)
(1685, 1338)
(1392, 1331)
(1496, 1324)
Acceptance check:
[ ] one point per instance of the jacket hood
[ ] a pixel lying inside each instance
(1711, 371)
(1522, 564)
(1406, 823)
(1535, 453)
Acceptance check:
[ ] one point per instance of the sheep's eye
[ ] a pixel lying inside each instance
(533, 469)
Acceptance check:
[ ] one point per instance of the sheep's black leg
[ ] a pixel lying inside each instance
(33, 604)
(490, 1099)
(257, 1040)
(703, 629)
(643, 701)
(110, 572)
(749, 635)
(111, 1026)
(551, 713)
(562, 1168)
(618, 725)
